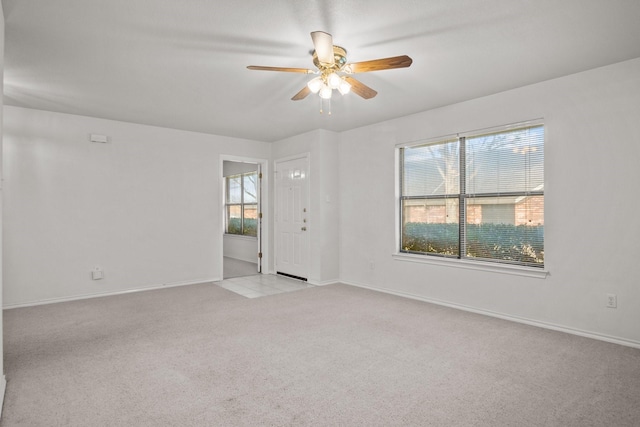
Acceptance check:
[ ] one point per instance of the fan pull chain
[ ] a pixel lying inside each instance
(328, 103)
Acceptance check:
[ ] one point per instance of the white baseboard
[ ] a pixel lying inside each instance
(559, 328)
(323, 282)
(106, 294)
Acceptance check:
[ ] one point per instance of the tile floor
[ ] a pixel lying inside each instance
(261, 285)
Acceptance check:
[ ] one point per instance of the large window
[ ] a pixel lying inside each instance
(242, 204)
(477, 196)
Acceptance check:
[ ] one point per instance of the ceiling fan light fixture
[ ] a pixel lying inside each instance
(315, 85)
(344, 87)
(333, 70)
(325, 92)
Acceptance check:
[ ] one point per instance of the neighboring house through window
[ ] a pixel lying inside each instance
(476, 196)
(242, 204)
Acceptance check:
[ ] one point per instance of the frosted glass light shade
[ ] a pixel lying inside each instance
(344, 87)
(325, 92)
(333, 80)
(314, 85)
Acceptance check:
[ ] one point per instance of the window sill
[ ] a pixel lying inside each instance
(474, 265)
(239, 236)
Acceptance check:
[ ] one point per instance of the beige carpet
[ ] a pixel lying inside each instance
(325, 356)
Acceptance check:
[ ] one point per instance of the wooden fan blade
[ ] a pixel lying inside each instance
(302, 94)
(379, 64)
(288, 70)
(323, 44)
(360, 88)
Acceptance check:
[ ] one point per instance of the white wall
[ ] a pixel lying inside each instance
(2, 377)
(592, 244)
(323, 216)
(236, 168)
(146, 207)
(244, 248)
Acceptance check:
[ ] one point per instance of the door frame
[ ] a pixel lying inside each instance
(264, 234)
(307, 157)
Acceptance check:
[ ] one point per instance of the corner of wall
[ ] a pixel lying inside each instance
(3, 381)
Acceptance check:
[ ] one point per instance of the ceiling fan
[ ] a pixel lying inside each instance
(334, 72)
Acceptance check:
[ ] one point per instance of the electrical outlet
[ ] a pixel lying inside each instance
(612, 301)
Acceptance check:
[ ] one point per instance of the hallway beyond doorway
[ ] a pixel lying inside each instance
(233, 267)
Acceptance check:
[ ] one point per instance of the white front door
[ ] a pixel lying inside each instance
(292, 217)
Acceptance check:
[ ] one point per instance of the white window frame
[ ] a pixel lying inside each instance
(464, 263)
(242, 204)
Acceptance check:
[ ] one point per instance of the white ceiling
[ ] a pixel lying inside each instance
(182, 63)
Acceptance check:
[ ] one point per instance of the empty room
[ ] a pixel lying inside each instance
(320, 213)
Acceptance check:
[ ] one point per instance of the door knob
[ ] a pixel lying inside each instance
(304, 229)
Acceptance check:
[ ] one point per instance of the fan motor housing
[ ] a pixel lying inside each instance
(340, 55)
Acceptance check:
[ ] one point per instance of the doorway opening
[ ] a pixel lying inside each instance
(242, 213)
